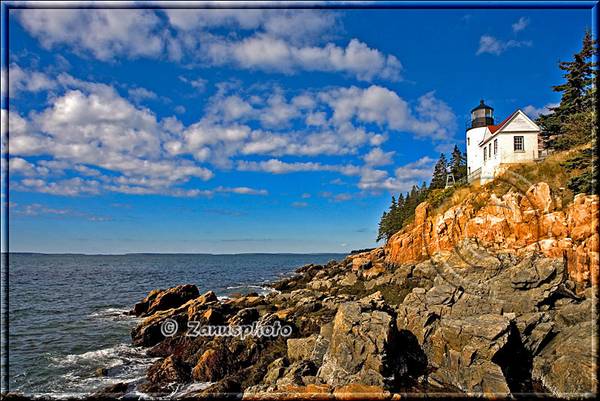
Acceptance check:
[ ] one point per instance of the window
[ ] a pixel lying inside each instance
(518, 141)
(469, 170)
(468, 141)
(495, 147)
(484, 154)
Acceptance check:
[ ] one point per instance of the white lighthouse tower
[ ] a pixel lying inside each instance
(491, 148)
(482, 116)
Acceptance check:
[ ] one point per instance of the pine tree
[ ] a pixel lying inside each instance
(579, 75)
(458, 164)
(438, 180)
(382, 232)
(572, 121)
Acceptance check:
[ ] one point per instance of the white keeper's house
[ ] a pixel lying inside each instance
(491, 147)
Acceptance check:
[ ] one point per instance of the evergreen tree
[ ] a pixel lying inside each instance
(438, 180)
(458, 164)
(572, 121)
(382, 232)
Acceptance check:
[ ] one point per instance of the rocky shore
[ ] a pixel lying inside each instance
(471, 318)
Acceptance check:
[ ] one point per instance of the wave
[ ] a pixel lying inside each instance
(262, 290)
(113, 314)
(106, 357)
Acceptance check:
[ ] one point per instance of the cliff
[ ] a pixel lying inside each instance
(492, 293)
(517, 221)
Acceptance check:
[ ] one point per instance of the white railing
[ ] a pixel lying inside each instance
(475, 175)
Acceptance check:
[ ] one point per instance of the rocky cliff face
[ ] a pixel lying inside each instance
(518, 222)
(495, 296)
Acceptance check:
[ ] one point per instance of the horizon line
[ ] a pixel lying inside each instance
(174, 253)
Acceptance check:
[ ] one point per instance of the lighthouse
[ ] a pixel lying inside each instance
(482, 116)
(492, 147)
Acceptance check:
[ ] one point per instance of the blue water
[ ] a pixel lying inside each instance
(66, 311)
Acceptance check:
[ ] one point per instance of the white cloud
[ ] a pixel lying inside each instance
(242, 190)
(491, 45)
(279, 167)
(141, 94)
(36, 209)
(198, 83)
(91, 131)
(105, 33)
(379, 105)
(268, 53)
(300, 204)
(377, 157)
(284, 41)
(294, 25)
(534, 112)
(92, 126)
(404, 178)
(520, 24)
(20, 80)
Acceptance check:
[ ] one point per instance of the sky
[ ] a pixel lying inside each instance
(232, 131)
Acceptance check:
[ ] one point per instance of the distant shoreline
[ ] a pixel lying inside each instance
(174, 253)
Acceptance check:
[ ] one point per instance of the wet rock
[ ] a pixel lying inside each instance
(212, 366)
(168, 370)
(113, 391)
(171, 298)
(244, 316)
(141, 307)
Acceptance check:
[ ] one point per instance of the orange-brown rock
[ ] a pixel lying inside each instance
(315, 392)
(517, 221)
(356, 391)
(210, 366)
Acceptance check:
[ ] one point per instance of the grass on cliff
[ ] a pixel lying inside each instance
(567, 173)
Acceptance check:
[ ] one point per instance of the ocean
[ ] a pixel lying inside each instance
(66, 311)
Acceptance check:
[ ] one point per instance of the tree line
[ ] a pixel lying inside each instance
(571, 123)
(402, 208)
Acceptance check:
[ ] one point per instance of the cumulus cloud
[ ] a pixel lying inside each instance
(140, 94)
(294, 25)
(23, 80)
(93, 126)
(520, 24)
(284, 41)
(534, 112)
(403, 179)
(90, 131)
(376, 104)
(492, 45)
(103, 33)
(270, 53)
(377, 157)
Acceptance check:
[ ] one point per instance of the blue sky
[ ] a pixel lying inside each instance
(230, 131)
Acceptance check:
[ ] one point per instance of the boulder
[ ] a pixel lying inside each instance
(171, 298)
(361, 347)
(212, 366)
(168, 370)
(301, 348)
(567, 365)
